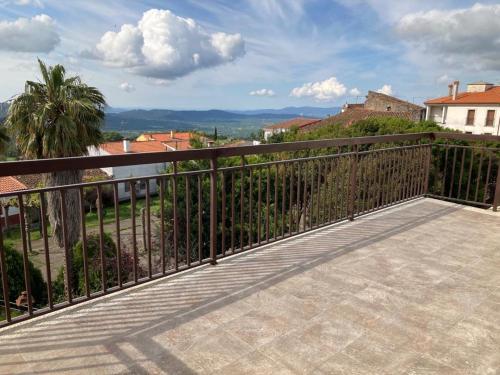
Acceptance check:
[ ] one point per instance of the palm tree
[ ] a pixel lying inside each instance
(58, 117)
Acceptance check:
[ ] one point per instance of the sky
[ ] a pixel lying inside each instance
(246, 54)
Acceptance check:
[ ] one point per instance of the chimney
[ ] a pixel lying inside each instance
(455, 89)
(172, 134)
(126, 145)
(450, 89)
(210, 143)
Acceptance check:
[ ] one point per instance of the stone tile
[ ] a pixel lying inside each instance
(257, 328)
(380, 352)
(428, 366)
(179, 334)
(295, 353)
(254, 363)
(340, 364)
(214, 351)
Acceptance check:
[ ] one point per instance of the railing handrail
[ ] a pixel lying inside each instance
(24, 167)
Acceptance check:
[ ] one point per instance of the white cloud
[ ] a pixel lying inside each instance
(464, 37)
(36, 3)
(329, 89)
(165, 46)
(36, 34)
(354, 92)
(386, 89)
(127, 87)
(443, 79)
(262, 92)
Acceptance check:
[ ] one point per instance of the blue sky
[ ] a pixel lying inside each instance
(251, 53)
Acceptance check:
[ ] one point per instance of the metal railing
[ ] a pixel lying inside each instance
(229, 203)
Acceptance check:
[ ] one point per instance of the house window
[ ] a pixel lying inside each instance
(488, 134)
(470, 117)
(468, 132)
(389, 108)
(490, 118)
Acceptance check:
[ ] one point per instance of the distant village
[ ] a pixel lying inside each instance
(475, 110)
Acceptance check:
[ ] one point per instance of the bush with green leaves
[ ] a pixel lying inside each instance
(94, 267)
(15, 277)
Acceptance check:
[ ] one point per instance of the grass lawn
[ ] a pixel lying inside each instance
(13, 235)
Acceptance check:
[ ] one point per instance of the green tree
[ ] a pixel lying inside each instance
(15, 277)
(58, 117)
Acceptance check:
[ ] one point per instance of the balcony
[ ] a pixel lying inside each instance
(320, 263)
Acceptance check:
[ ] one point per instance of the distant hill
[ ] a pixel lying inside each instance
(298, 111)
(227, 123)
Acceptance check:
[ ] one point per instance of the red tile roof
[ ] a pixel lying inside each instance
(116, 148)
(9, 184)
(299, 122)
(491, 96)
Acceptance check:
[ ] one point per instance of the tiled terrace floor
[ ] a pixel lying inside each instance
(413, 289)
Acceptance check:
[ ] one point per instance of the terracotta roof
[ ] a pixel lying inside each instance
(351, 116)
(491, 96)
(9, 184)
(33, 181)
(116, 148)
(300, 122)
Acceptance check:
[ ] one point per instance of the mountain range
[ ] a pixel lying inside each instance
(229, 123)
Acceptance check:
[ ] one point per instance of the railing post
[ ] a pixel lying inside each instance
(213, 210)
(352, 184)
(496, 198)
(427, 171)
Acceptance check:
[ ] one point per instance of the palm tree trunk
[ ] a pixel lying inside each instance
(73, 218)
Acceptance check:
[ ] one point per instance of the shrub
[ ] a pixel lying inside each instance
(15, 277)
(94, 267)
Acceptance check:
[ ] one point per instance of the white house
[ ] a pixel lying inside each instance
(475, 111)
(141, 170)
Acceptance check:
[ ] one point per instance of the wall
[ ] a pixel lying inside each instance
(456, 116)
(132, 171)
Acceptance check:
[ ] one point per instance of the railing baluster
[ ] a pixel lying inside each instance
(5, 278)
(223, 214)
(445, 169)
(479, 172)
(148, 230)
(175, 217)
(134, 230)
(290, 204)
(352, 183)
(461, 173)
(116, 202)
(298, 197)
(68, 261)
(213, 211)
(233, 223)
(268, 193)
(102, 254)
(318, 194)
(283, 203)
(452, 179)
(187, 197)
(486, 181)
(250, 207)
(259, 206)
(84, 244)
(162, 225)
(242, 181)
(43, 224)
(469, 174)
(200, 231)
(275, 219)
(496, 198)
(311, 208)
(304, 200)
